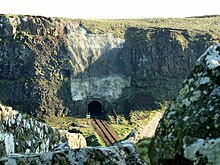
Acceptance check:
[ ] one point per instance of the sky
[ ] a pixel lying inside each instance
(115, 9)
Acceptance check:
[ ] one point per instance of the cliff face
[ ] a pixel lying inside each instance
(58, 66)
(161, 58)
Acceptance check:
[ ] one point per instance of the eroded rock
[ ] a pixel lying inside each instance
(121, 153)
(189, 132)
(23, 134)
(56, 66)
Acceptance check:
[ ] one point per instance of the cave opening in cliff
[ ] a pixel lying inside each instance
(95, 108)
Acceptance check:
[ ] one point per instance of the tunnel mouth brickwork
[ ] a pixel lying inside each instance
(95, 108)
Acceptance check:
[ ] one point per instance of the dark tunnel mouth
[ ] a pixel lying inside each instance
(95, 108)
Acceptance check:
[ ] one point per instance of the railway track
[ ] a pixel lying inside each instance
(105, 131)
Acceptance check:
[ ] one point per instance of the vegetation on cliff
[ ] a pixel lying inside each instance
(38, 56)
(118, 27)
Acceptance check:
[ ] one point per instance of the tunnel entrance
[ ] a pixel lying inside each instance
(95, 108)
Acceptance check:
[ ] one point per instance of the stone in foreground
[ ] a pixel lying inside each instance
(121, 154)
(189, 132)
(19, 133)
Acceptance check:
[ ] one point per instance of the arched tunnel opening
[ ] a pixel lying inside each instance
(95, 108)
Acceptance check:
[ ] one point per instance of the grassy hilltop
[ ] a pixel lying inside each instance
(193, 24)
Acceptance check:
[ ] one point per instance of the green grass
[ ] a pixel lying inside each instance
(118, 27)
(136, 119)
(142, 149)
(126, 125)
(72, 123)
(94, 140)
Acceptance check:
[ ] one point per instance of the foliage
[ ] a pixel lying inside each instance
(126, 125)
(94, 140)
(142, 149)
(72, 123)
(61, 123)
(137, 118)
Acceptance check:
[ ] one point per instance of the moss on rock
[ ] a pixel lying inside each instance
(191, 123)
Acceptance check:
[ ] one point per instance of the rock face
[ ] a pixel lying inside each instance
(22, 134)
(52, 66)
(189, 132)
(122, 153)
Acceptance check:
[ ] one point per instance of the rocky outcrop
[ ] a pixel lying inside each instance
(122, 153)
(161, 59)
(44, 59)
(189, 132)
(22, 134)
(24, 140)
(51, 66)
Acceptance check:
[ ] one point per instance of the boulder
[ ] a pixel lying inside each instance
(74, 140)
(189, 132)
(121, 153)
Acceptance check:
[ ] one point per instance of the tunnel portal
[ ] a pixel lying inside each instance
(95, 108)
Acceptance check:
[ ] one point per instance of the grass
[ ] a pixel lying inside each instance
(77, 124)
(126, 125)
(136, 120)
(118, 27)
(142, 149)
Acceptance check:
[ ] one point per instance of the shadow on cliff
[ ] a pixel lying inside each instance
(119, 62)
(156, 63)
(156, 59)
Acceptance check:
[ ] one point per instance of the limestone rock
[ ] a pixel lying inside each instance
(122, 153)
(22, 134)
(189, 132)
(74, 140)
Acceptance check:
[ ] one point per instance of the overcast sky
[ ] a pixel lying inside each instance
(111, 8)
